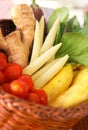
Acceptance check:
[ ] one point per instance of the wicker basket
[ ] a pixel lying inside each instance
(82, 125)
(18, 114)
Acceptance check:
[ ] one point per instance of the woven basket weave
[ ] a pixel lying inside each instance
(82, 125)
(18, 114)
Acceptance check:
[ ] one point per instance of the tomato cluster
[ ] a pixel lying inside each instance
(14, 82)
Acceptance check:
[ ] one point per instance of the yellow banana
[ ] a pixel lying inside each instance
(76, 94)
(59, 83)
(77, 68)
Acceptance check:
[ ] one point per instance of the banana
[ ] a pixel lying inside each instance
(76, 94)
(77, 68)
(60, 82)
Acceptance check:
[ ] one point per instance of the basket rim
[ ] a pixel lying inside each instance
(83, 108)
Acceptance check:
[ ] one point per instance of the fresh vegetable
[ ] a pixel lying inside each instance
(50, 73)
(12, 64)
(22, 42)
(28, 81)
(60, 32)
(73, 25)
(38, 39)
(6, 87)
(86, 18)
(2, 77)
(61, 13)
(13, 43)
(76, 46)
(33, 97)
(36, 43)
(12, 72)
(41, 60)
(59, 83)
(3, 64)
(49, 41)
(37, 10)
(14, 82)
(42, 30)
(3, 56)
(76, 94)
(19, 88)
(38, 13)
(42, 95)
(84, 30)
(44, 69)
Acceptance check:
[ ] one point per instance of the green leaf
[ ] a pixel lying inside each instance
(59, 33)
(86, 18)
(73, 25)
(75, 45)
(62, 13)
(84, 30)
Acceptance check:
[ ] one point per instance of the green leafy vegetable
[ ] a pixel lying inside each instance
(86, 18)
(62, 13)
(75, 45)
(84, 30)
(73, 25)
(59, 33)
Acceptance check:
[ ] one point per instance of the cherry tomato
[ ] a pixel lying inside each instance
(28, 80)
(12, 72)
(3, 65)
(3, 56)
(33, 97)
(6, 87)
(42, 95)
(19, 88)
(11, 63)
(2, 78)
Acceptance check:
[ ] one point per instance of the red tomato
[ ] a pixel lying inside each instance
(42, 95)
(11, 63)
(28, 80)
(33, 97)
(12, 72)
(3, 56)
(3, 65)
(6, 87)
(2, 78)
(19, 88)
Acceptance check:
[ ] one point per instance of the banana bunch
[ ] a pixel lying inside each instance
(74, 94)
